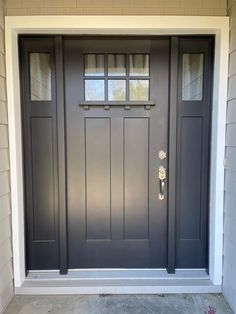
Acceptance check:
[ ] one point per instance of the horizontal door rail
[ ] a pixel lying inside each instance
(126, 104)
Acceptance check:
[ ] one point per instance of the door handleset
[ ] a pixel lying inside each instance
(162, 180)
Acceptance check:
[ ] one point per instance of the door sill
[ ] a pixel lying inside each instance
(122, 281)
(107, 274)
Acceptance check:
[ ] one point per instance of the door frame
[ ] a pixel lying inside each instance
(121, 25)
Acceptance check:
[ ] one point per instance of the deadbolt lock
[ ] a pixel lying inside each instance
(162, 154)
(162, 173)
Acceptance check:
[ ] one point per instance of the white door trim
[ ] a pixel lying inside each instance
(137, 25)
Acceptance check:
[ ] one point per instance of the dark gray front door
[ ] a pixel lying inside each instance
(116, 135)
(116, 99)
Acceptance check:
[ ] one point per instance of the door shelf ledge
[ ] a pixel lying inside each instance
(108, 104)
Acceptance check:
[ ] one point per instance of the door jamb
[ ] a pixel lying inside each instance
(131, 25)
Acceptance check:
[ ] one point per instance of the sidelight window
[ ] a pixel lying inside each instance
(116, 77)
(192, 77)
(40, 77)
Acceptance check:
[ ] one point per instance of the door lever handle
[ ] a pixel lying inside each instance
(162, 179)
(162, 190)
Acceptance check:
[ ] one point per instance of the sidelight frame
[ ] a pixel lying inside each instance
(121, 25)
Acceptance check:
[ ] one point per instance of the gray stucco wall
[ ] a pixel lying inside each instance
(229, 274)
(6, 277)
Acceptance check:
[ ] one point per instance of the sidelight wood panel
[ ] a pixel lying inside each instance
(98, 177)
(190, 178)
(193, 153)
(43, 179)
(40, 157)
(136, 181)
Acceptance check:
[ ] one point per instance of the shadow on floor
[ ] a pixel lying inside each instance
(120, 304)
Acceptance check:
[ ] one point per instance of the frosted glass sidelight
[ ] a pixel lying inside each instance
(40, 77)
(139, 65)
(94, 65)
(192, 78)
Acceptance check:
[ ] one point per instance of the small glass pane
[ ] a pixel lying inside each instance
(40, 76)
(139, 65)
(116, 65)
(94, 90)
(192, 80)
(94, 65)
(116, 90)
(139, 90)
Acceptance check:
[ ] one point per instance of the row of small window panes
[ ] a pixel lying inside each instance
(95, 90)
(138, 65)
(192, 82)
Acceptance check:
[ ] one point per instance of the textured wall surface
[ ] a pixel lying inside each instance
(229, 278)
(6, 282)
(116, 7)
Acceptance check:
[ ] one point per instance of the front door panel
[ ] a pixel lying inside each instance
(115, 218)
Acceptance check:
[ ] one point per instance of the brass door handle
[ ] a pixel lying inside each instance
(162, 179)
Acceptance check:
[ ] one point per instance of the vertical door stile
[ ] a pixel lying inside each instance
(172, 154)
(61, 155)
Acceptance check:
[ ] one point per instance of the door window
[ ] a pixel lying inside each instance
(139, 65)
(116, 65)
(116, 90)
(94, 90)
(94, 65)
(116, 77)
(139, 89)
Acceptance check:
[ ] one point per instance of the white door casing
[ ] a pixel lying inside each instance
(120, 25)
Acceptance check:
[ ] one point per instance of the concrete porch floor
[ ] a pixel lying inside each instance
(120, 304)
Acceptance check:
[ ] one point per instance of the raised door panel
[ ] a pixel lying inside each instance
(136, 178)
(98, 178)
(43, 179)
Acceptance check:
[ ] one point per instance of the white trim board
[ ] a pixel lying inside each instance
(118, 281)
(128, 25)
(113, 286)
